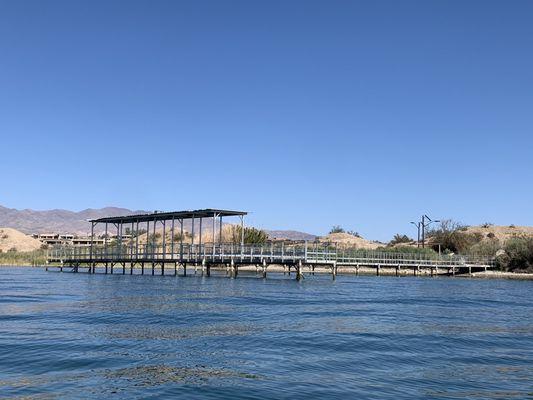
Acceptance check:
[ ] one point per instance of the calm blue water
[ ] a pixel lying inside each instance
(91, 336)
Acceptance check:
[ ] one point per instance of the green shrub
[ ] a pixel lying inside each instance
(37, 257)
(354, 233)
(518, 255)
(451, 237)
(153, 238)
(486, 248)
(336, 229)
(397, 239)
(251, 235)
(427, 251)
(178, 237)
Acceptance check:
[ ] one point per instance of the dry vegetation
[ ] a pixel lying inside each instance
(512, 246)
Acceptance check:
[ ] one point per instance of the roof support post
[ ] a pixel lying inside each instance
(137, 239)
(192, 231)
(131, 240)
(153, 239)
(242, 230)
(164, 238)
(200, 235)
(220, 230)
(147, 244)
(105, 240)
(181, 240)
(213, 233)
(92, 239)
(172, 238)
(242, 235)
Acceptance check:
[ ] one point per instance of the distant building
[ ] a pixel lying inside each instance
(58, 239)
(86, 241)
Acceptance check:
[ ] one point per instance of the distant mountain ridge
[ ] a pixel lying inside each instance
(64, 221)
(57, 221)
(290, 235)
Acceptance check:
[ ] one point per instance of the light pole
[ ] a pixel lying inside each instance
(417, 224)
(424, 226)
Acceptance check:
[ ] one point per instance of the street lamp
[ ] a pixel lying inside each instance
(424, 226)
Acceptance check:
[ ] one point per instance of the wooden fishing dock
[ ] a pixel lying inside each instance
(136, 249)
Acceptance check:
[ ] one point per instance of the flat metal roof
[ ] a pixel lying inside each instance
(165, 216)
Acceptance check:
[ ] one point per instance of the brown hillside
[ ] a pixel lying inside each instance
(502, 233)
(11, 239)
(347, 239)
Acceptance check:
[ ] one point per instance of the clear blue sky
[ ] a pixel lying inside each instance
(305, 113)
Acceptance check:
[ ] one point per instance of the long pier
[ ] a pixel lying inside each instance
(127, 252)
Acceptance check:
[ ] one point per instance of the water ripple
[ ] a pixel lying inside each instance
(93, 336)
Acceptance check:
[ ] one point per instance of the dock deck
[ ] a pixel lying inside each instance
(295, 256)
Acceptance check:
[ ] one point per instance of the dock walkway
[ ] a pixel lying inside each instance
(295, 256)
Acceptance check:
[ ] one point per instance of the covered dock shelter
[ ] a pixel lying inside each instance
(167, 221)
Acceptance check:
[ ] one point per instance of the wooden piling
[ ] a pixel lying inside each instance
(264, 269)
(232, 268)
(299, 274)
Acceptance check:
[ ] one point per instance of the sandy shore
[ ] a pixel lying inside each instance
(502, 275)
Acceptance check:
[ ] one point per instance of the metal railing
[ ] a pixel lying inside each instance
(274, 252)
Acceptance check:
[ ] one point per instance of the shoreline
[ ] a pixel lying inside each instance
(346, 271)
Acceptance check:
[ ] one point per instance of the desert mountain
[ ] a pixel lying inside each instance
(65, 221)
(58, 221)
